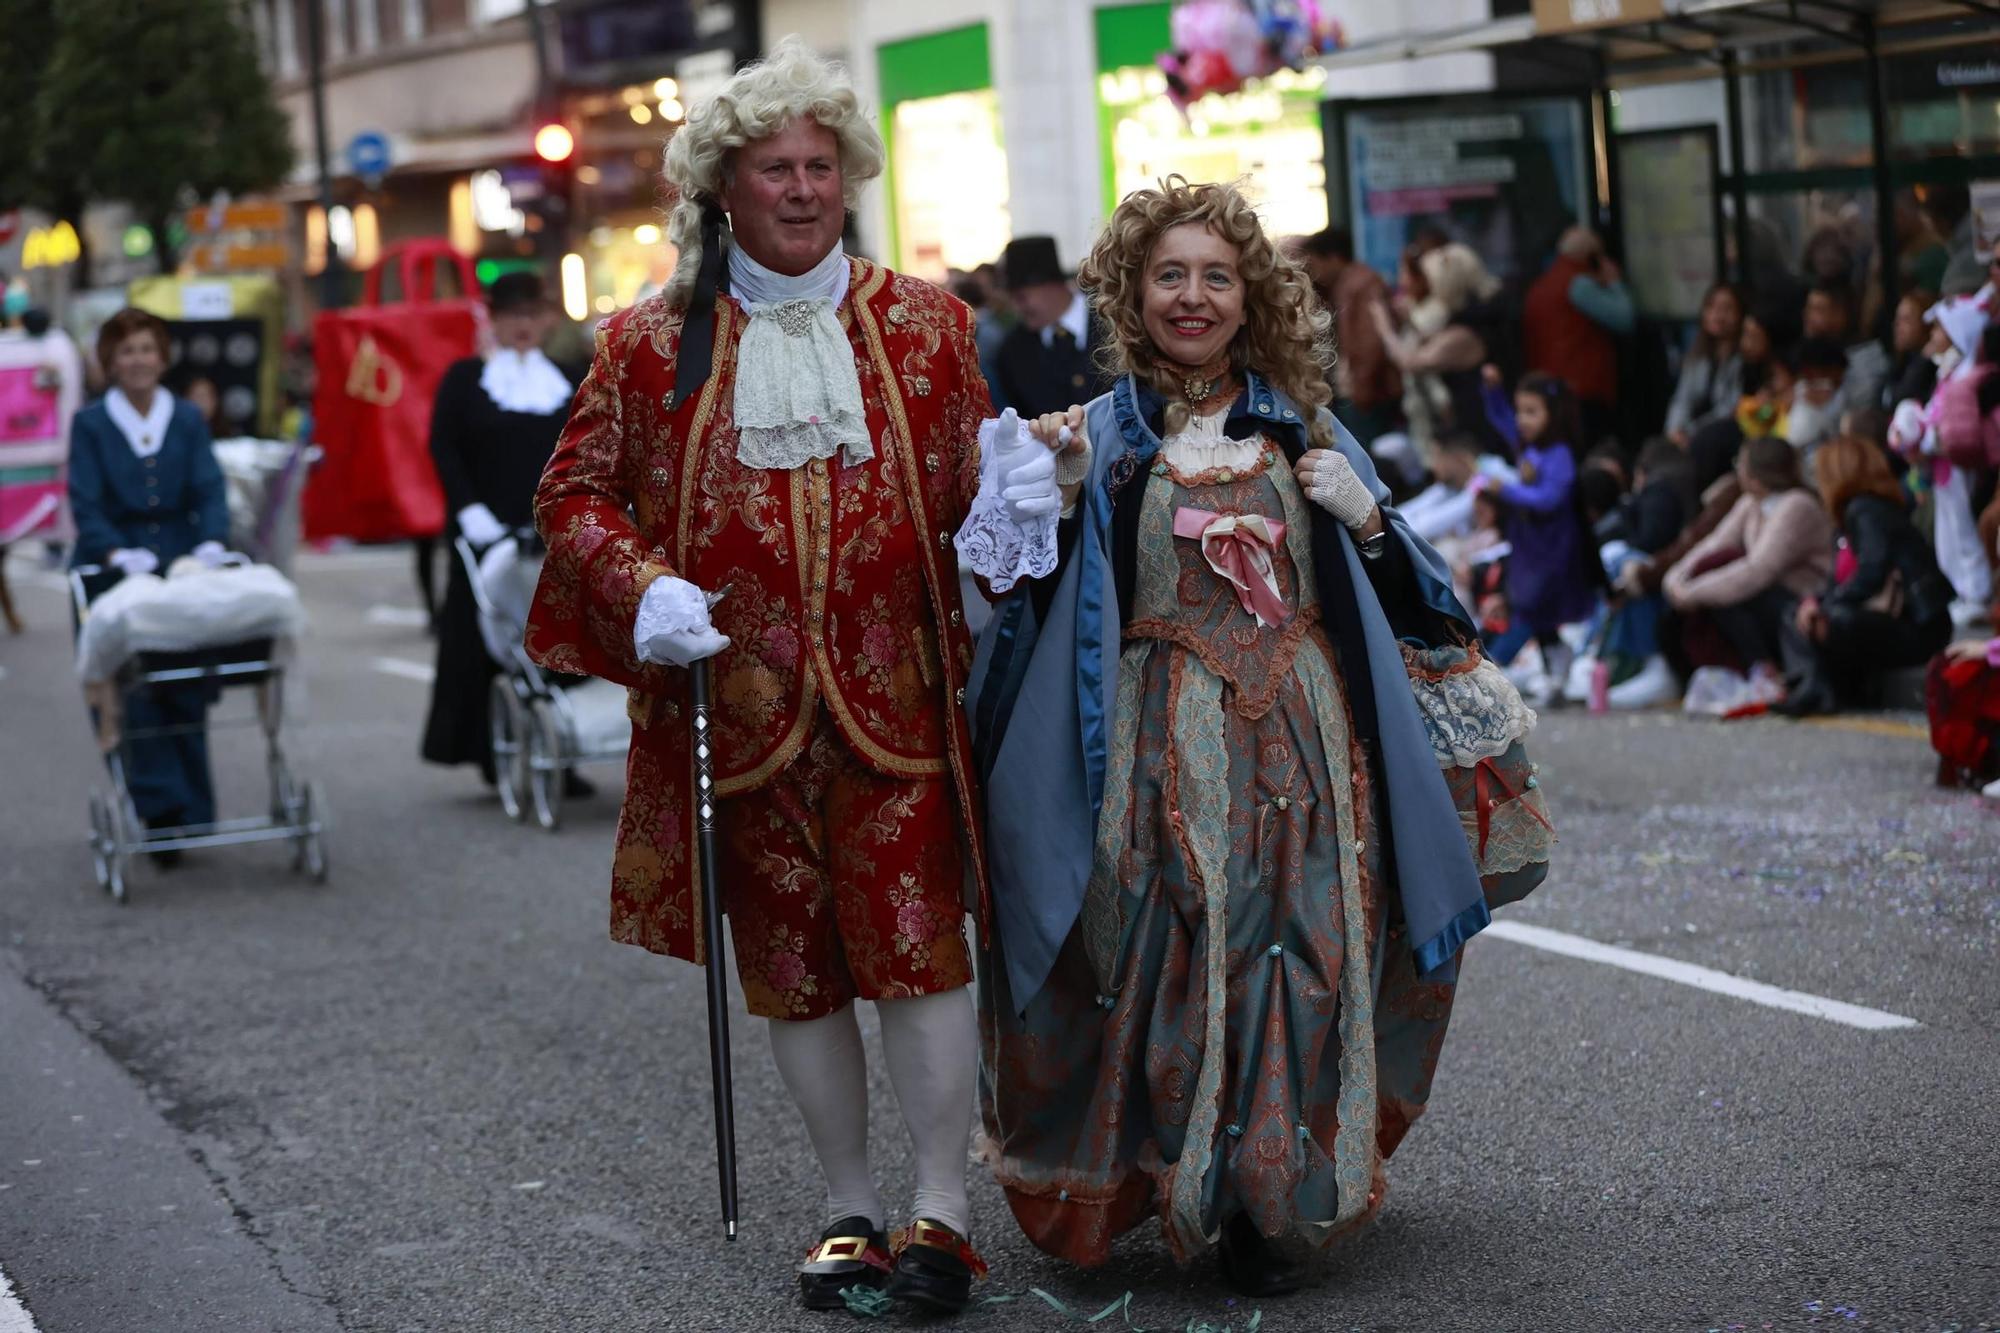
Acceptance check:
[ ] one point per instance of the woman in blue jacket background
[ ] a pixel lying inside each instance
(145, 490)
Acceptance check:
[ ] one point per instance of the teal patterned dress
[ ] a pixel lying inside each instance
(1236, 1025)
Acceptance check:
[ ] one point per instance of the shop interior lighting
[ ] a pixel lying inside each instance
(646, 233)
(575, 302)
(632, 96)
(671, 109)
(641, 114)
(666, 89)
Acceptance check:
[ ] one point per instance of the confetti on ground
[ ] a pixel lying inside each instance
(869, 1302)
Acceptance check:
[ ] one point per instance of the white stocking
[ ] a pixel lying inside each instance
(825, 1069)
(931, 1043)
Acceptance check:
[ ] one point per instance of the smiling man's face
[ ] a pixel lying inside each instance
(783, 197)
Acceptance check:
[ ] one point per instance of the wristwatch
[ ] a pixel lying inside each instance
(1372, 547)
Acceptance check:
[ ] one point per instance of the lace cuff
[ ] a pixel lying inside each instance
(1072, 468)
(670, 606)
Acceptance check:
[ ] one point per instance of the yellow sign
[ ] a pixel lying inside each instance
(235, 258)
(1555, 16)
(372, 379)
(51, 247)
(237, 217)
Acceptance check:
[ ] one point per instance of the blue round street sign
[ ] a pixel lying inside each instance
(368, 155)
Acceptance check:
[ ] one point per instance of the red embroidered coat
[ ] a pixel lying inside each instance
(843, 583)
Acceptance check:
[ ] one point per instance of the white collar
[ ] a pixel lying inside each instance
(754, 285)
(1076, 319)
(525, 382)
(146, 434)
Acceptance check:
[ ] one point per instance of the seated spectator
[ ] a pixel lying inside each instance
(1626, 642)
(1746, 578)
(1477, 562)
(1444, 508)
(1661, 501)
(1887, 605)
(1711, 379)
(1816, 403)
(1829, 314)
(1912, 372)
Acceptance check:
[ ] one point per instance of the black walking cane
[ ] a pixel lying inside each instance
(711, 930)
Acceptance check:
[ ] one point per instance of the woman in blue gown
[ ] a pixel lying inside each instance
(1230, 880)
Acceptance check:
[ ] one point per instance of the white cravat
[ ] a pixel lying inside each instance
(524, 382)
(798, 395)
(146, 434)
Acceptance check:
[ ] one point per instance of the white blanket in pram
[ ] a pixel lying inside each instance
(507, 586)
(193, 607)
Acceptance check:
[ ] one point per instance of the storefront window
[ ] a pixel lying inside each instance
(947, 178)
(951, 183)
(1268, 136)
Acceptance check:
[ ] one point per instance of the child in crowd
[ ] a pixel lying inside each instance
(1966, 348)
(1553, 575)
(1813, 414)
(1444, 508)
(1478, 552)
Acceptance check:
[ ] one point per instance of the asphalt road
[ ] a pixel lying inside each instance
(431, 1095)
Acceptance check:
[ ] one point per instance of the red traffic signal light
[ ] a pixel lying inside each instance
(554, 143)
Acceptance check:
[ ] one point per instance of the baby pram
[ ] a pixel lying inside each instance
(222, 631)
(542, 723)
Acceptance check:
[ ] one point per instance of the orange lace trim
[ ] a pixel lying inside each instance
(1214, 476)
(1246, 704)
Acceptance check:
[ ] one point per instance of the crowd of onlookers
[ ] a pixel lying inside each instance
(1813, 511)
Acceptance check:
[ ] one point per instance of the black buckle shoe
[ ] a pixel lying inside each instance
(934, 1268)
(1254, 1266)
(850, 1253)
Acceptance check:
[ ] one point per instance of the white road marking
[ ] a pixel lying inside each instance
(402, 617)
(14, 1316)
(396, 666)
(1702, 978)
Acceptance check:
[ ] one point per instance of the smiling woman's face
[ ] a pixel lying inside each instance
(1192, 301)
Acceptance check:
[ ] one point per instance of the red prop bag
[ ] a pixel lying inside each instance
(379, 367)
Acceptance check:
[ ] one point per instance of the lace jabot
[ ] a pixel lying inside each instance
(798, 395)
(1203, 446)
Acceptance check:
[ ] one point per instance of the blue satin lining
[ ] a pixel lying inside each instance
(1443, 947)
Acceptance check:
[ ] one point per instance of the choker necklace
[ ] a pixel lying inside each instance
(1199, 383)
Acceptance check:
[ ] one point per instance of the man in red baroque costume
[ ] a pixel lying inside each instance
(803, 429)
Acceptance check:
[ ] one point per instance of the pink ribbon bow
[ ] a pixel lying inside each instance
(1238, 547)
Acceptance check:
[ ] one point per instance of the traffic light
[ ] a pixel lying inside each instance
(555, 160)
(554, 144)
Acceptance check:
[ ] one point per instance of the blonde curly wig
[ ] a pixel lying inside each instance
(758, 101)
(1287, 337)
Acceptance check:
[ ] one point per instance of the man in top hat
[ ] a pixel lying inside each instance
(800, 429)
(1048, 361)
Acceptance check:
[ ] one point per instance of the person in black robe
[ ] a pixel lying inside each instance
(493, 428)
(1048, 361)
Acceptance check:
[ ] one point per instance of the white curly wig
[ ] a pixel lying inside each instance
(758, 101)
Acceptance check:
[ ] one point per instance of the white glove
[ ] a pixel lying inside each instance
(1336, 488)
(673, 628)
(133, 560)
(1024, 470)
(211, 554)
(478, 526)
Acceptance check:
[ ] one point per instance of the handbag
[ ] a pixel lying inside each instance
(1478, 725)
(380, 364)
